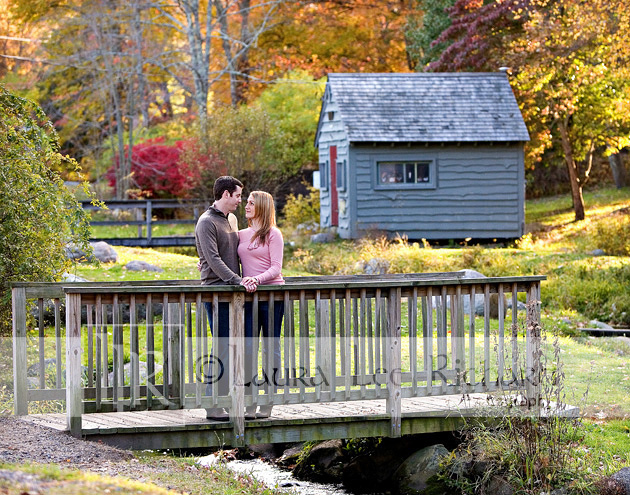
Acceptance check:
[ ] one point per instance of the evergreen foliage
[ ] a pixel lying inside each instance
(39, 216)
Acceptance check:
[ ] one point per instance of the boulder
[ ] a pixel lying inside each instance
(74, 253)
(142, 266)
(478, 304)
(69, 277)
(499, 486)
(104, 252)
(412, 475)
(307, 228)
(323, 464)
(323, 237)
(376, 266)
(622, 478)
(599, 324)
(290, 456)
(370, 473)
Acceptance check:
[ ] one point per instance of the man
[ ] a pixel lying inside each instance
(216, 237)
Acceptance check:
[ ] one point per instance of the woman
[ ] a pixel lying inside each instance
(260, 250)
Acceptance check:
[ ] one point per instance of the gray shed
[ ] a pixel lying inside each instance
(427, 155)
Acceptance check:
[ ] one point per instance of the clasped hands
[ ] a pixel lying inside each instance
(250, 283)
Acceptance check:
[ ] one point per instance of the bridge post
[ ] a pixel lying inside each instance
(237, 367)
(20, 388)
(74, 392)
(394, 372)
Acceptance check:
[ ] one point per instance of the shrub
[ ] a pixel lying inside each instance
(301, 209)
(613, 234)
(533, 449)
(155, 170)
(38, 214)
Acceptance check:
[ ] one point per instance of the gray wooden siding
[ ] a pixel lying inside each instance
(332, 133)
(478, 194)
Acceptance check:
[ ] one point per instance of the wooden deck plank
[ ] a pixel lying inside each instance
(189, 428)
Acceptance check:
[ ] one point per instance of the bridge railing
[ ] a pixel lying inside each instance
(142, 345)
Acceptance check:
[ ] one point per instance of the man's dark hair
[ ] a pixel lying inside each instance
(225, 183)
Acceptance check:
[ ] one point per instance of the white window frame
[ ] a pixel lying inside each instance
(382, 161)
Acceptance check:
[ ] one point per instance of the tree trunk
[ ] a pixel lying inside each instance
(574, 173)
(618, 170)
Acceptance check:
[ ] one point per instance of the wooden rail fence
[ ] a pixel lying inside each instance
(143, 211)
(343, 338)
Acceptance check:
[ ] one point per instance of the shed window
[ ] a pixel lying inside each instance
(341, 175)
(404, 172)
(323, 176)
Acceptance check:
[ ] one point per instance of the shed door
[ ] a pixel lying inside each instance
(334, 201)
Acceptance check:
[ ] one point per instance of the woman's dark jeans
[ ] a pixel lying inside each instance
(271, 344)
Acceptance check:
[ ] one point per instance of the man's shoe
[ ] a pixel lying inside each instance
(250, 412)
(264, 412)
(217, 414)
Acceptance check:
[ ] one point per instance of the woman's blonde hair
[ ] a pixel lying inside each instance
(264, 213)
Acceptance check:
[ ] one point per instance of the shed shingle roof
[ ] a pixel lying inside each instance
(428, 107)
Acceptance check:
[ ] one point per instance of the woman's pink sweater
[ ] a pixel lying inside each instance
(262, 261)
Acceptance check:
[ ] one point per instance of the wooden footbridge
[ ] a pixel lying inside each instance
(359, 356)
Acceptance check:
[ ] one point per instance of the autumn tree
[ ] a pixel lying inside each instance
(479, 33)
(219, 36)
(334, 36)
(569, 63)
(572, 81)
(429, 20)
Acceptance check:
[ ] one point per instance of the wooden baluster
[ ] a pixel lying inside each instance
(533, 341)
(471, 338)
(190, 358)
(166, 358)
(515, 352)
(150, 352)
(100, 366)
(501, 315)
(134, 349)
(442, 350)
(427, 334)
(58, 345)
(458, 337)
(289, 344)
(412, 318)
(486, 335)
(117, 356)
(303, 343)
(347, 342)
(332, 374)
(42, 343)
(200, 354)
(377, 340)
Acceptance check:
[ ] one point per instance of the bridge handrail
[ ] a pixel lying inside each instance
(353, 351)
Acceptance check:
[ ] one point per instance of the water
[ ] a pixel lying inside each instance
(274, 477)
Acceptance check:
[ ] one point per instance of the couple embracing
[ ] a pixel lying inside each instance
(223, 250)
